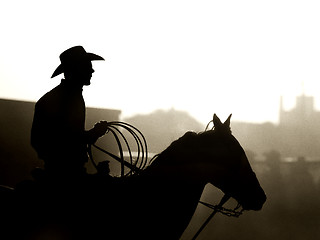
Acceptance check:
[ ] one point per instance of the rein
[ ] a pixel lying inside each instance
(225, 211)
(218, 208)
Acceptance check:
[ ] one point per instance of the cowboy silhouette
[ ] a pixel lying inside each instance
(58, 131)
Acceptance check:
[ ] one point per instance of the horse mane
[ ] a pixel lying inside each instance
(177, 147)
(191, 144)
(190, 140)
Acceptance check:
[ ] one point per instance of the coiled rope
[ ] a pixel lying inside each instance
(135, 163)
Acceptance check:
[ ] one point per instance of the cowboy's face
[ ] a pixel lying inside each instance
(84, 73)
(81, 73)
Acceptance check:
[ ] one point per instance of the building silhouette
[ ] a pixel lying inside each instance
(303, 114)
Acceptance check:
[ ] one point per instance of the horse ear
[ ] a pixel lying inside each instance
(216, 121)
(227, 122)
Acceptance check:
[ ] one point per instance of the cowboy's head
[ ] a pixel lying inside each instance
(76, 65)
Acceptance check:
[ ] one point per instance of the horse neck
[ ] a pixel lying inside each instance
(177, 197)
(179, 184)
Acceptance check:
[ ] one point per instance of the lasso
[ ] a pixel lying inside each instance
(135, 163)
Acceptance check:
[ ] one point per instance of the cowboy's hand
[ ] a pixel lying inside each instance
(97, 131)
(100, 128)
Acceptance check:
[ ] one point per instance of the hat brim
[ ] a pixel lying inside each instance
(89, 56)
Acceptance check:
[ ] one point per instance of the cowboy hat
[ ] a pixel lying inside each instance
(72, 56)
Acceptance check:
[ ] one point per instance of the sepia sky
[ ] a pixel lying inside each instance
(203, 57)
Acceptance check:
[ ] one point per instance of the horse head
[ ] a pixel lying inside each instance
(233, 174)
(215, 156)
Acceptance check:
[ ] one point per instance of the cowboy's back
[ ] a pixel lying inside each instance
(58, 133)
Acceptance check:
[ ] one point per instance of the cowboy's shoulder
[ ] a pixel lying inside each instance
(50, 99)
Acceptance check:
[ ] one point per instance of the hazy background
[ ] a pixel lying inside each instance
(169, 66)
(198, 56)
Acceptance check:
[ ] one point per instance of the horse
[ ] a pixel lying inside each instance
(157, 203)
